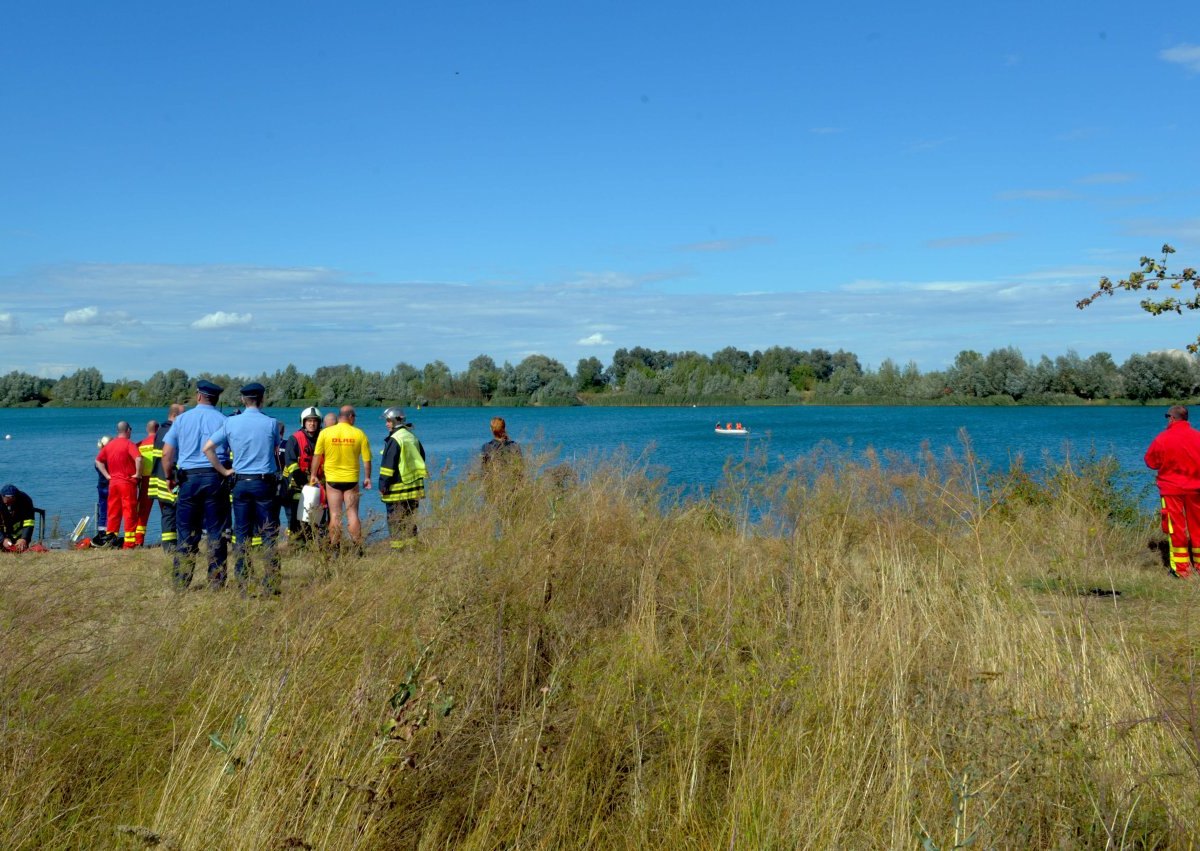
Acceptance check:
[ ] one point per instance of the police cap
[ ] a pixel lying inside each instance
(254, 390)
(8, 490)
(208, 388)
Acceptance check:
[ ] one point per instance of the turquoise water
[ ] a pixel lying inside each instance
(48, 452)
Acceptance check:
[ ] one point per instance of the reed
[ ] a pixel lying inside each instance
(889, 652)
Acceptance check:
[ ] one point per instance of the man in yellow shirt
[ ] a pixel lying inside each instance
(335, 463)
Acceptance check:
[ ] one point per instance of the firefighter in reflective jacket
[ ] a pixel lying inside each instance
(145, 497)
(1175, 454)
(297, 462)
(401, 477)
(161, 489)
(16, 519)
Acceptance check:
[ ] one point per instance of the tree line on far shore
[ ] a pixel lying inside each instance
(779, 374)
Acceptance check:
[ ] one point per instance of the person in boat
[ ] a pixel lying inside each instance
(739, 425)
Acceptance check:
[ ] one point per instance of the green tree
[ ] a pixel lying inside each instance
(589, 374)
(482, 372)
(83, 385)
(18, 388)
(733, 359)
(1159, 376)
(1005, 373)
(535, 372)
(285, 385)
(966, 376)
(163, 388)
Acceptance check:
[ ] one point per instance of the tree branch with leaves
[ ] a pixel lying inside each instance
(1151, 276)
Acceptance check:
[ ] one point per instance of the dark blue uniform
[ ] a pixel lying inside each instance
(202, 503)
(252, 439)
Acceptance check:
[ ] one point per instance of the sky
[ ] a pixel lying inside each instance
(232, 187)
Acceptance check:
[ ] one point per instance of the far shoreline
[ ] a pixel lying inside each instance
(598, 401)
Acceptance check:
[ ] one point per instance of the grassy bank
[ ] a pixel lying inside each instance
(905, 660)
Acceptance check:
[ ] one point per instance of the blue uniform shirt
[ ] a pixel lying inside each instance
(252, 437)
(188, 435)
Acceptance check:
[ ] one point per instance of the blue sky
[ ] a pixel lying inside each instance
(236, 186)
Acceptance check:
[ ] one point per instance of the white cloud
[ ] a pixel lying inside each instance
(221, 319)
(416, 322)
(1187, 55)
(83, 316)
(596, 339)
(93, 315)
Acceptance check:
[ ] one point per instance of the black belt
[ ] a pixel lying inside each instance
(254, 477)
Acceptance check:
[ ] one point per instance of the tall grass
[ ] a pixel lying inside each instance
(881, 653)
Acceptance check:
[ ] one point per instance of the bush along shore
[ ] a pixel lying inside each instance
(641, 376)
(910, 653)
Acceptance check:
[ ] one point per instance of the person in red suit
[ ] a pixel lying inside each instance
(120, 462)
(1175, 454)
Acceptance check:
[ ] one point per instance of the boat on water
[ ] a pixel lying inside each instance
(732, 428)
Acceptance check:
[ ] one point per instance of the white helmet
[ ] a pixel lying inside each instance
(310, 413)
(394, 413)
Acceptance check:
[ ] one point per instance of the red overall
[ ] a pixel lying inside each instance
(124, 464)
(1175, 454)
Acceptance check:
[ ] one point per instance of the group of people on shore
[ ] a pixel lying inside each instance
(226, 479)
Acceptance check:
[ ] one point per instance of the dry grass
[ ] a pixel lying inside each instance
(892, 656)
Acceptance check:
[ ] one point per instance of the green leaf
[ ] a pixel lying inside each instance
(401, 697)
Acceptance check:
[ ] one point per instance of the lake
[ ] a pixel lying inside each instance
(48, 452)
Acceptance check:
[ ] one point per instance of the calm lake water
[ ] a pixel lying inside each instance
(48, 452)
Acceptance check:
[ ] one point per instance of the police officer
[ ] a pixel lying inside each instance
(202, 502)
(252, 439)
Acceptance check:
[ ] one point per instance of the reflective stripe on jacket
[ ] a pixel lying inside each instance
(158, 481)
(402, 469)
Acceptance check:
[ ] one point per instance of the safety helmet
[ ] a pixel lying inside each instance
(394, 413)
(310, 413)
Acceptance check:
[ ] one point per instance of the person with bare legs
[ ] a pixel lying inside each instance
(335, 464)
